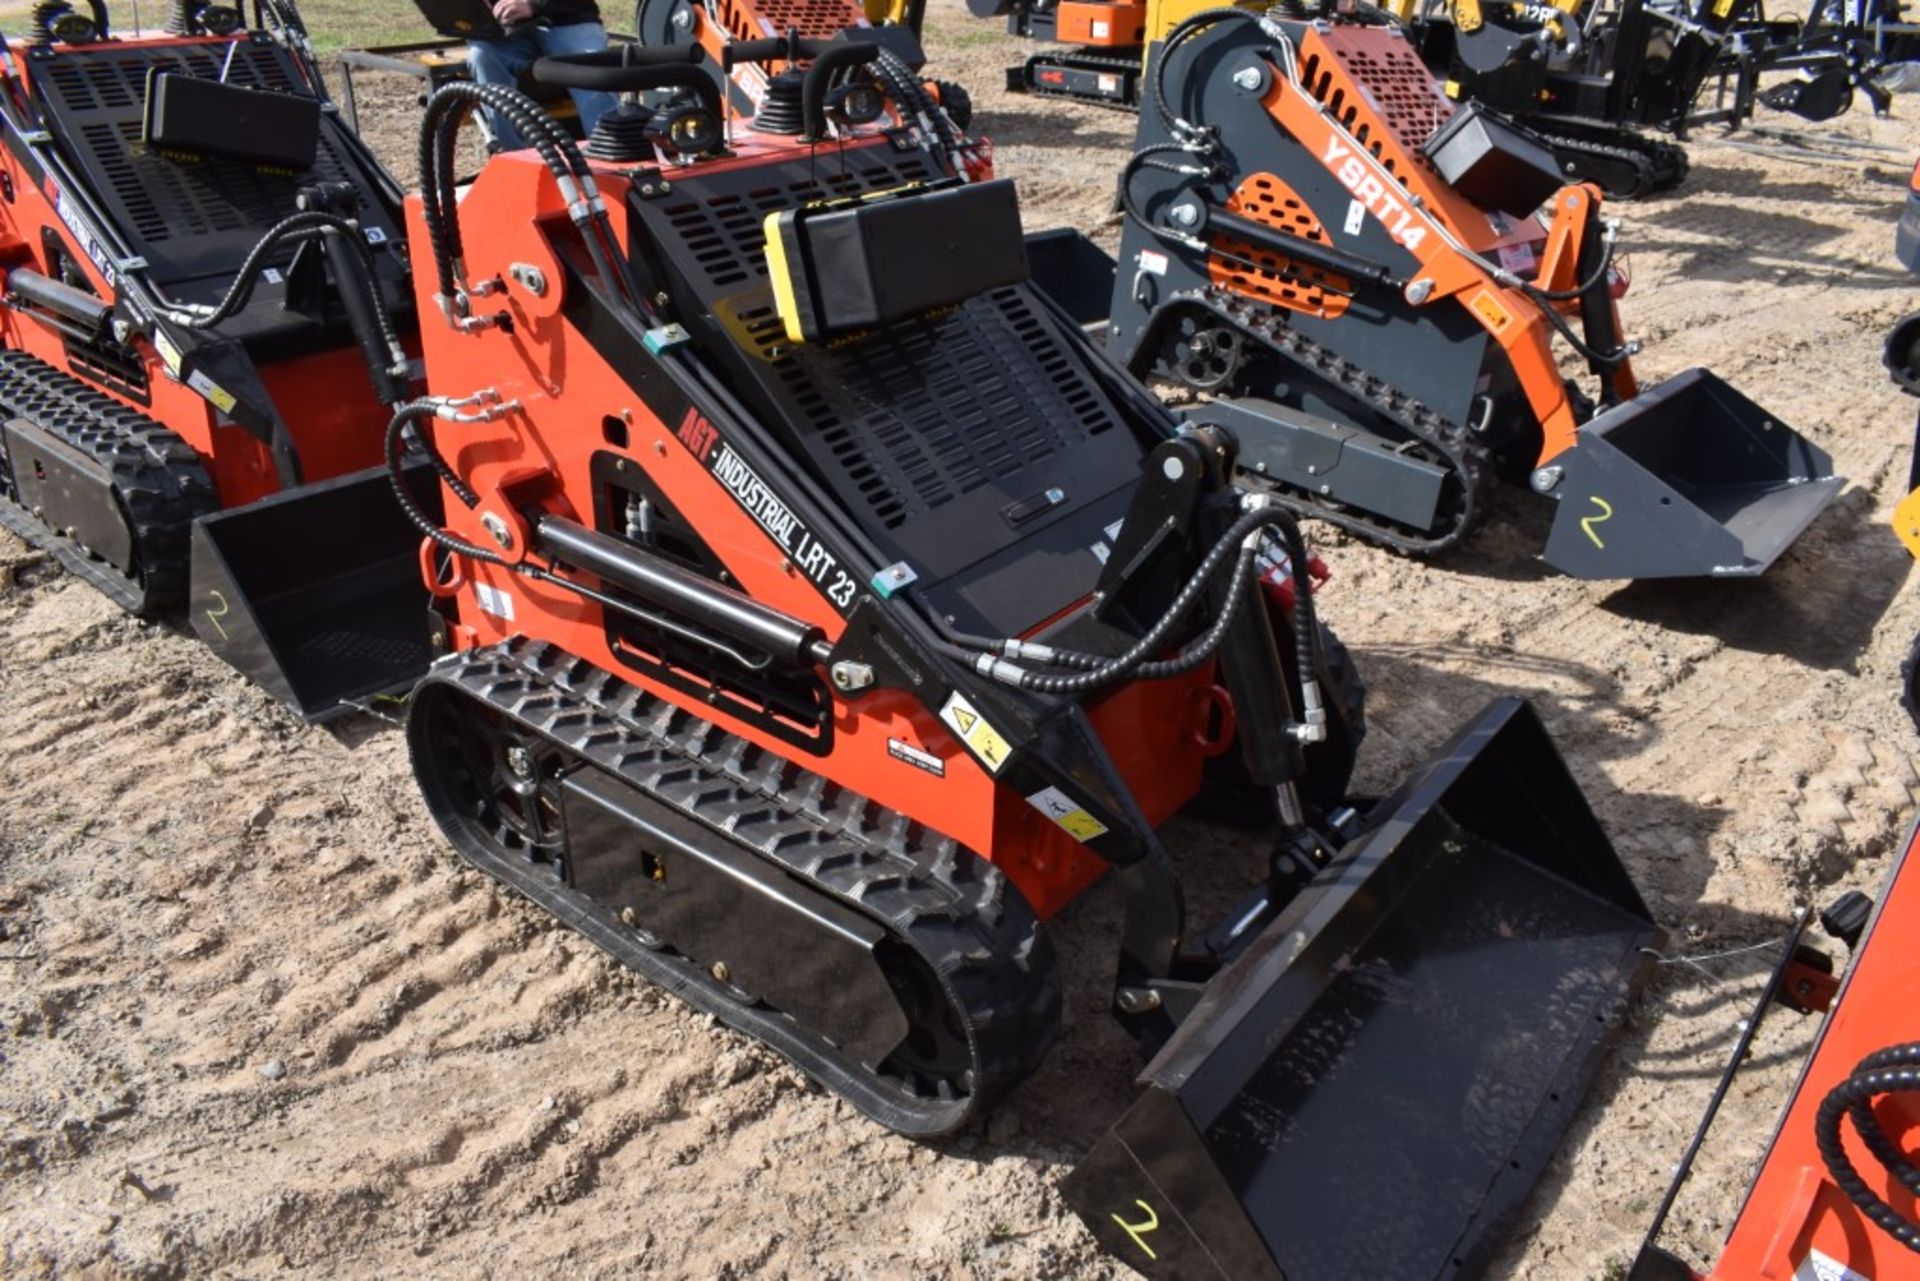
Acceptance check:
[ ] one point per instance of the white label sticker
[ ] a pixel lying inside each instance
(1101, 30)
(901, 750)
(1101, 552)
(1113, 530)
(376, 236)
(1356, 217)
(494, 601)
(169, 354)
(1067, 814)
(272, 275)
(1516, 258)
(1153, 261)
(1109, 84)
(1822, 1267)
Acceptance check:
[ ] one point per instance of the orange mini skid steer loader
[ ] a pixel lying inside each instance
(1375, 287)
(206, 312)
(758, 81)
(825, 614)
(1837, 1195)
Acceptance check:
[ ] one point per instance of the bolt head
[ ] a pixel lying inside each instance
(1545, 478)
(849, 676)
(497, 529)
(520, 761)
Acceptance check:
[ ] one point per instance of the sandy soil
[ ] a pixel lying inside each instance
(260, 1021)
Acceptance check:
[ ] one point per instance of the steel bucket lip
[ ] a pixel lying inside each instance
(267, 629)
(1690, 478)
(1230, 1114)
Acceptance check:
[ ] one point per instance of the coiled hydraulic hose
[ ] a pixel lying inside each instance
(1894, 1070)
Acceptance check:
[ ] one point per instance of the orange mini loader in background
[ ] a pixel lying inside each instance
(1375, 289)
(206, 314)
(824, 614)
(1835, 1198)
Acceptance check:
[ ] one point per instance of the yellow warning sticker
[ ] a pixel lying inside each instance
(1067, 814)
(1491, 313)
(216, 395)
(981, 738)
(1721, 8)
(169, 354)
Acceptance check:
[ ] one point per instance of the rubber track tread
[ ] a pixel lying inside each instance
(1081, 60)
(1468, 461)
(1657, 166)
(953, 907)
(159, 478)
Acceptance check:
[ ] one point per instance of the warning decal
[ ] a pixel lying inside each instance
(1495, 317)
(981, 738)
(1071, 817)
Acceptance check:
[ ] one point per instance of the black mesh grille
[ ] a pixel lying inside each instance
(916, 416)
(187, 218)
(726, 236)
(923, 413)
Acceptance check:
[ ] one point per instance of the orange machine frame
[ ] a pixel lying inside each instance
(1358, 142)
(1795, 1211)
(563, 392)
(326, 398)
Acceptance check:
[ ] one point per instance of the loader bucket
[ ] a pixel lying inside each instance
(1688, 479)
(1372, 1088)
(1076, 273)
(316, 594)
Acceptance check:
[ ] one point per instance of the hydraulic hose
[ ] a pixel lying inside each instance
(411, 412)
(306, 225)
(913, 98)
(1894, 1070)
(1095, 672)
(421, 414)
(438, 132)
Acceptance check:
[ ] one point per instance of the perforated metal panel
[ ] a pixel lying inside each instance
(921, 414)
(929, 431)
(813, 19)
(1260, 273)
(188, 218)
(1400, 97)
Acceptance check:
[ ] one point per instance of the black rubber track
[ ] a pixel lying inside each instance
(955, 910)
(1472, 479)
(161, 484)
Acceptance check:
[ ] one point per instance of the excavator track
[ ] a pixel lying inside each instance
(1077, 68)
(1433, 437)
(955, 911)
(1626, 165)
(157, 479)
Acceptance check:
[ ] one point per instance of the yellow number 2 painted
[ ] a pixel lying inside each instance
(1139, 1230)
(215, 615)
(1588, 522)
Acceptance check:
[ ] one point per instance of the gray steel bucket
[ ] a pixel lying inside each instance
(1372, 1088)
(316, 594)
(1688, 479)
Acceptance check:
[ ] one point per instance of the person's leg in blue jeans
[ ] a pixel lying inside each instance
(500, 62)
(580, 37)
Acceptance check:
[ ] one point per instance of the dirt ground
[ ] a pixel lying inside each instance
(258, 1020)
